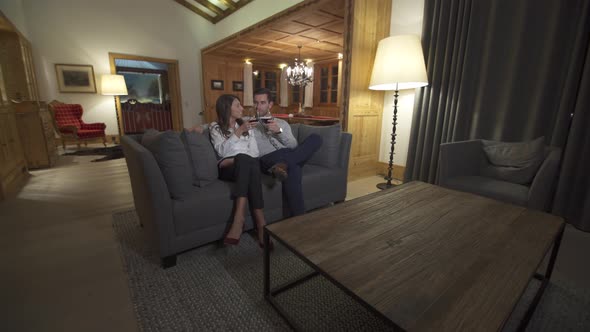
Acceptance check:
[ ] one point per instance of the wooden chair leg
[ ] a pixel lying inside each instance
(78, 144)
(85, 143)
(104, 141)
(63, 143)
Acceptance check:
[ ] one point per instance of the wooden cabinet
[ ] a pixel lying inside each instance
(17, 83)
(35, 128)
(13, 169)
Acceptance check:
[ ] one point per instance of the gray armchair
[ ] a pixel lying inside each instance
(461, 166)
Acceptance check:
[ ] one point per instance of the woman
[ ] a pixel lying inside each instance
(236, 146)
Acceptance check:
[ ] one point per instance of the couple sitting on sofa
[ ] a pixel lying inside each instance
(239, 144)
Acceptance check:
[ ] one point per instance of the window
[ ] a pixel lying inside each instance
(268, 78)
(328, 83)
(297, 94)
(143, 87)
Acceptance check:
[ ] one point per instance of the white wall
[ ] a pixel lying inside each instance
(406, 18)
(85, 31)
(13, 10)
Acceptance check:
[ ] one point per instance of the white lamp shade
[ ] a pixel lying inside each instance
(399, 64)
(113, 85)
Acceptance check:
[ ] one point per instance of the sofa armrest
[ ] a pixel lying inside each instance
(541, 190)
(150, 194)
(459, 159)
(345, 144)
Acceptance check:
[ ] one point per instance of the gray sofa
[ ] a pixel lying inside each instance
(201, 216)
(462, 166)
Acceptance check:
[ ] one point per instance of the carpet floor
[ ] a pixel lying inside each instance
(220, 289)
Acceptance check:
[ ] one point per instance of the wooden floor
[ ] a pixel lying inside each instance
(61, 269)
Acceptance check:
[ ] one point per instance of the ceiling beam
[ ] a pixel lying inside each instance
(229, 4)
(211, 7)
(196, 10)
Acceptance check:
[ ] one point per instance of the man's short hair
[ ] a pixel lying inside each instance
(264, 91)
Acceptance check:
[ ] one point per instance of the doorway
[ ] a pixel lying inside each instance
(153, 99)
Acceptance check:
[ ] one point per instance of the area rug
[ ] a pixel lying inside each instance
(220, 289)
(110, 153)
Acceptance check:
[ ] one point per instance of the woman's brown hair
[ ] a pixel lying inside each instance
(223, 109)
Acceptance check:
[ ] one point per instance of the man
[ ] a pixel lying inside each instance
(280, 153)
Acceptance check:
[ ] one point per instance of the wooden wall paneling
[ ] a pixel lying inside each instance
(370, 23)
(219, 68)
(176, 96)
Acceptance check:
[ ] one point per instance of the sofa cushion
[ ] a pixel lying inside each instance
(201, 156)
(295, 130)
(322, 185)
(170, 154)
(328, 153)
(492, 188)
(513, 162)
(205, 206)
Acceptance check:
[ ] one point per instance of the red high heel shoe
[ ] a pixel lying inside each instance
(230, 240)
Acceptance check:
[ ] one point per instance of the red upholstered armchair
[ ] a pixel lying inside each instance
(68, 122)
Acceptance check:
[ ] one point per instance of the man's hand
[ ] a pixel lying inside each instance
(273, 127)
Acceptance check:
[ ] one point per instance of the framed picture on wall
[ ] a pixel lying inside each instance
(238, 85)
(75, 78)
(217, 85)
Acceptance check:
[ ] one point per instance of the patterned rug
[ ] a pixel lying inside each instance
(110, 153)
(220, 289)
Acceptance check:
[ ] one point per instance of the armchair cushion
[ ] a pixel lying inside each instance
(92, 126)
(492, 188)
(513, 162)
(68, 115)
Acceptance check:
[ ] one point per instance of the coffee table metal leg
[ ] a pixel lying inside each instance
(267, 291)
(544, 281)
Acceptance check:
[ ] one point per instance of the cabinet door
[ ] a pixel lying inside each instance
(12, 153)
(32, 135)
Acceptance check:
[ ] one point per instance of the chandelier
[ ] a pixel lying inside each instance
(299, 74)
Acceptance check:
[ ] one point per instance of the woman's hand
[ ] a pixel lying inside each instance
(226, 162)
(243, 128)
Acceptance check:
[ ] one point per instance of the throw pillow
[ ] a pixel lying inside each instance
(295, 130)
(201, 156)
(514, 162)
(170, 154)
(329, 152)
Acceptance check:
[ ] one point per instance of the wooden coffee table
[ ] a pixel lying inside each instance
(423, 257)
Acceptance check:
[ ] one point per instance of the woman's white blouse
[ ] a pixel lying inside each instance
(231, 146)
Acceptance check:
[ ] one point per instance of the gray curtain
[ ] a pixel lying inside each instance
(512, 71)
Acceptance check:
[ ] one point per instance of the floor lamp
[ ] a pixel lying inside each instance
(114, 85)
(399, 65)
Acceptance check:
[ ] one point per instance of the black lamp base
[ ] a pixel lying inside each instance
(385, 185)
